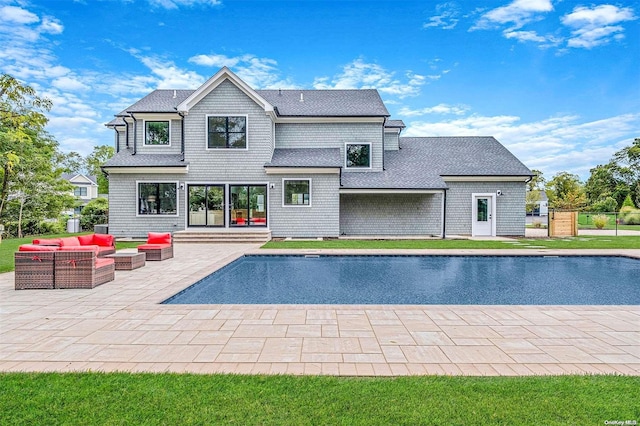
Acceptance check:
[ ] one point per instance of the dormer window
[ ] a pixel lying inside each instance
(227, 132)
(358, 155)
(156, 132)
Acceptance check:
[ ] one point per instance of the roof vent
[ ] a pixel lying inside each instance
(174, 94)
(301, 97)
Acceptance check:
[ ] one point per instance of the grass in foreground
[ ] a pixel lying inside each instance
(589, 242)
(150, 399)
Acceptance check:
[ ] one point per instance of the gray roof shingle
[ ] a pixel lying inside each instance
(305, 157)
(395, 123)
(421, 162)
(160, 100)
(125, 158)
(326, 103)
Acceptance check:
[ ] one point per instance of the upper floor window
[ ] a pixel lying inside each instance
(297, 192)
(80, 191)
(227, 132)
(157, 198)
(156, 133)
(358, 155)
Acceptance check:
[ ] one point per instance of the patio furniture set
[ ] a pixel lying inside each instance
(85, 261)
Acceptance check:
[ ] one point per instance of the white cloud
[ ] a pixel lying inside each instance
(51, 25)
(69, 83)
(17, 15)
(446, 17)
(361, 75)
(551, 145)
(168, 74)
(595, 26)
(437, 109)
(174, 4)
(214, 60)
(517, 14)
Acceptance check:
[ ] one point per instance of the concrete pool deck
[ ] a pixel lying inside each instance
(120, 326)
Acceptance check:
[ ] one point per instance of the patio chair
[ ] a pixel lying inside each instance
(159, 246)
(80, 267)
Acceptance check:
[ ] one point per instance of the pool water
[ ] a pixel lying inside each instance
(458, 280)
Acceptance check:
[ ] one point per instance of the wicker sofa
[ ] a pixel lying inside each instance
(106, 243)
(159, 246)
(48, 267)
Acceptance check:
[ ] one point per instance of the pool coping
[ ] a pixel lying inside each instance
(120, 326)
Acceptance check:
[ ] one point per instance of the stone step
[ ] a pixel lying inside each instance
(213, 237)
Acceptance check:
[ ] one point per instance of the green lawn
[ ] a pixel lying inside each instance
(171, 399)
(585, 221)
(589, 242)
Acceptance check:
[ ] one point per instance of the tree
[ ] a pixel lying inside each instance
(628, 160)
(537, 181)
(565, 191)
(93, 162)
(21, 120)
(94, 213)
(606, 181)
(72, 162)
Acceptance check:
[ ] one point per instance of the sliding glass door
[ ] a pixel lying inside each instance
(206, 205)
(248, 205)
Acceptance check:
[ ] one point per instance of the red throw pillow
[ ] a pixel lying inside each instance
(104, 240)
(85, 240)
(48, 242)
(159, 238)
(69, 242)
(33, 247)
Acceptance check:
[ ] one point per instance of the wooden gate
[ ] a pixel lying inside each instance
(563, 224)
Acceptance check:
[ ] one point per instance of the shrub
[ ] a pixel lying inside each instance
(600, 220)
(537, 224)
(629, 215)
(96, 212)
(607, 205)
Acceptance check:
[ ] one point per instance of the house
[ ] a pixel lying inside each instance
(301, 163)
(85, 189)
(541, 203)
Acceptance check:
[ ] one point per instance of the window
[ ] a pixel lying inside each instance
(297, 192)
(80, 191)
(157, 198)
(156, 132)
(227, 132)
(358, 155)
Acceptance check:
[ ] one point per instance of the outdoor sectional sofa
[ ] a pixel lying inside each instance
(63, 263)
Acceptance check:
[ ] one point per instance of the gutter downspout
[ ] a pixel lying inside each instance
(126, 134)
(135, 133)
(383, 123)
(181, 135)
(117, 139)
(444, 214)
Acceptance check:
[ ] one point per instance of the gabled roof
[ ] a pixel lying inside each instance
(125, 158)
(160, 100)
(85, 179)
(326, 103)
(399, 124)
(305, 157)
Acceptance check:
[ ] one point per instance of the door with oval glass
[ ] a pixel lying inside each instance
(483, 212)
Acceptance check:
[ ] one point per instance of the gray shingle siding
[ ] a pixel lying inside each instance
(332, 135)
(509, 206)
(391, 141)
(123, 207)
(321, 219)
(390, 214)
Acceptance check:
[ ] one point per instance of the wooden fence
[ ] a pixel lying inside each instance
(563, 224)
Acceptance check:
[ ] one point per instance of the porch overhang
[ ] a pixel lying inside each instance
(301, 170)
(147, 170)
(480, 178)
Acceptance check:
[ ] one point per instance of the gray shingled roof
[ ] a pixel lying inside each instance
(118, 121)
(395, 123)
(125, 158)
(326, 103)
(421, 162)
(305, 157)
(317, 103)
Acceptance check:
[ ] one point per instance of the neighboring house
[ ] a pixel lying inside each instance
(85, 189)
(541, 206)
(301, 163)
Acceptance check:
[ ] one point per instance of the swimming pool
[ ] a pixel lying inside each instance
(401, 280)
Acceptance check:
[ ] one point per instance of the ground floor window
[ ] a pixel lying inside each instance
(157, 198)
(297, 192)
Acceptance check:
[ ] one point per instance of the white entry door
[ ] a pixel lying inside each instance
(483, 211)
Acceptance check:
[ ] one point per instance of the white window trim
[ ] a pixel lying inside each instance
(138, 182)
(206, 133)
(150, 120)
(284, 180)
(370, 155)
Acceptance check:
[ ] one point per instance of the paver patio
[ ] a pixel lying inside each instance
(120, 326)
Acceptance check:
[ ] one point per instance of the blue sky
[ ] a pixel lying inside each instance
(557, 82)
